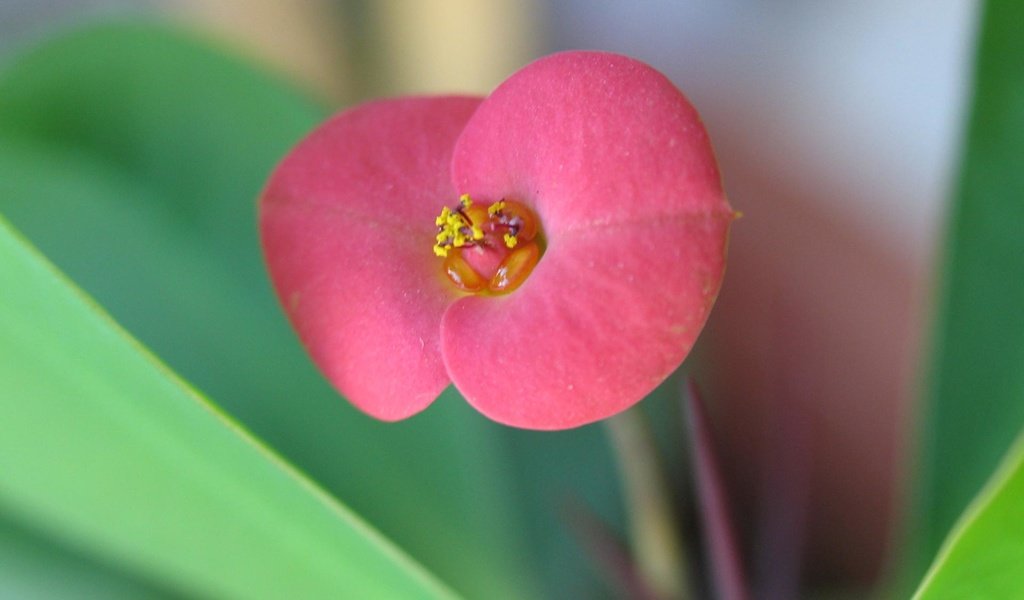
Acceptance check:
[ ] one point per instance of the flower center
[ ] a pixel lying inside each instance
(488, 250)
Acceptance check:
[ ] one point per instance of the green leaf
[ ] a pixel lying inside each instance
(35, 568)
(976, 385)
(132, 156)
(983, 555)
(103, 444)
(550, 472)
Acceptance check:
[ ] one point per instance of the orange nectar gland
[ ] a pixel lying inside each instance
(487, 251)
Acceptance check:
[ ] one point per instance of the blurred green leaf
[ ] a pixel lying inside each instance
(558, 472)
(132, 156)
(102, 444)
(35, 568)
(552, 472)
(976, 384)
(982, 558)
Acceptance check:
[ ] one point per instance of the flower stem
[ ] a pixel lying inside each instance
(654, 530)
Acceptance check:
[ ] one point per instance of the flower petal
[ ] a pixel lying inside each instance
(347, 225)
(607, 315)
(622, 175)
(589, 138)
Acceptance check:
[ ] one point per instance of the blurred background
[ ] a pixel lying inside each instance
(836, 125)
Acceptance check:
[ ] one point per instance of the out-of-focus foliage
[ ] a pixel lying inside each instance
(103, 445)
(32, 567)
(982, 556)
(975, 391)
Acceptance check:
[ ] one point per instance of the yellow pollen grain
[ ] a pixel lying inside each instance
(511, 240)
(465, 201)
(496, 208)
(443, 218)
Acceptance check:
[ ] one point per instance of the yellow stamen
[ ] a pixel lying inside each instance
(443, 218)
(486, 230)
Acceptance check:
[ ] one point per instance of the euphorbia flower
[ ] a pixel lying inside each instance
(401, 235)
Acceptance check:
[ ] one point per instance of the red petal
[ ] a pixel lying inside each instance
(590, 138)
(607, 315)
(621, 173)
(347, 224)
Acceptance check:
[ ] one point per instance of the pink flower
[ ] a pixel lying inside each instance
(564, 305)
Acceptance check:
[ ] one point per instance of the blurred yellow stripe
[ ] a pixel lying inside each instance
(303, 38)
(467, 46)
